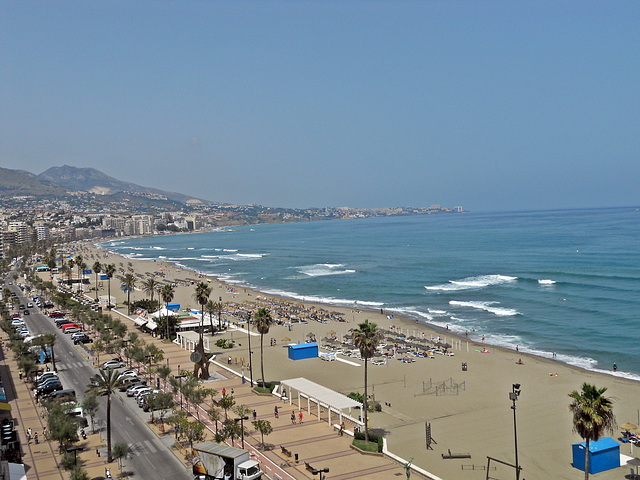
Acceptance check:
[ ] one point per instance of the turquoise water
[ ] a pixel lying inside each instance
(555, 281)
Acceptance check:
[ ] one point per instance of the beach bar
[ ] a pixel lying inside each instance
(303, 350)
(604, 454)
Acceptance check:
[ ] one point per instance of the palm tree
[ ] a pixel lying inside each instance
(167, 293)
(106, 382)
(97, 268)
(82, 267)
(203, 290)
(129, 282)
(366, 338)
(50, 339)
(79, 266)
(149, 286)
(71, 264)
(592, 416)
(210, 308)
(263, 322)
(110, 271)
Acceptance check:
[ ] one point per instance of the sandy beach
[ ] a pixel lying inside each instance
(472, 415)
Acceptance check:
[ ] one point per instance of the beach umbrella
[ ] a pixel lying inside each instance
(331, 332)
(634, 462)
(285, 339)
(628, 426)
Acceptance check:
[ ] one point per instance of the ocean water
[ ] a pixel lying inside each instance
(553, 281)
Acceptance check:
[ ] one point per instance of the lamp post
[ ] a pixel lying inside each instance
(242, 419)
(513, 396)
(179, 377)
(249, 342)
(324, 470)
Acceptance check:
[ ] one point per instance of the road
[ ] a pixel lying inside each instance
(149, 457)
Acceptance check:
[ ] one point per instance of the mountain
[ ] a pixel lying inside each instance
(19, 182)
(94, 181)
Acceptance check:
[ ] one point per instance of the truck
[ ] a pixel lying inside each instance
(214, 461)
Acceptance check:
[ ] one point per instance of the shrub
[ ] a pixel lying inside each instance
(373, 438)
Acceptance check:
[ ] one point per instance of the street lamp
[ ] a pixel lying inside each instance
(242, 419)
(316, 472)
(249, 341)
(513, 396)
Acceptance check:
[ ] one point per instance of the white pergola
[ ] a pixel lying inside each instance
(322, 397)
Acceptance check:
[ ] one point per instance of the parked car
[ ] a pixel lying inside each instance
(72, 328)
(128, 373)
(128, 382)
(137, 391)
(131, 391)
(111, 364)
(84, 338)
(50, 387)
(46, 375)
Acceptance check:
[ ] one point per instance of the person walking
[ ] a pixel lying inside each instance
(300, 417)
(275, 411)
(20, 374)
(255, 414)
(28, 434)
(342, 428)
(36, 438)
(293, 417)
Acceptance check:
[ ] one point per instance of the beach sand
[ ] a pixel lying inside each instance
(475, 418)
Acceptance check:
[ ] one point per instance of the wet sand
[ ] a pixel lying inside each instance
(472, 416)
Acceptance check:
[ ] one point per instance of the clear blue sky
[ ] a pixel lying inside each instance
(493, 105)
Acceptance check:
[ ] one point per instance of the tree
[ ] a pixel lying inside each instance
(264, 427)
(106, 382)
(149, 286)
(50, 339)
(120, 452)
(167, 293)
(129, 283)
(203, 290)
(592, 416)
(210, 308)
(214, 416)
(110, 271)
(63, 428)
(263, 322)
(90, 405)
(97, 268)
(226, 403)
(366, 338)
(232, 430)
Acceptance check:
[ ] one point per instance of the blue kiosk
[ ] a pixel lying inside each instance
(303, 350)
(604, 454)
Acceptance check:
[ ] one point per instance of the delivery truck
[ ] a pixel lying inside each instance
(214, 461)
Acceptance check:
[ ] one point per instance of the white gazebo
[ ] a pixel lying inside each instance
(321, 397)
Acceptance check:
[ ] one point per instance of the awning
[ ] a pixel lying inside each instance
(140, 321)
(151, 325)
(5, 406)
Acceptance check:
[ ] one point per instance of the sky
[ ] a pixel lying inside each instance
(492, 105)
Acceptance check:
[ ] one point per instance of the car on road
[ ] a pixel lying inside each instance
(29, 305)
(17, 321)
(83, 338)
(111, 364)
(26, 312)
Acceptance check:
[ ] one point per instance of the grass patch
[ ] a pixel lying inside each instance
(371, 447)
(260, 389)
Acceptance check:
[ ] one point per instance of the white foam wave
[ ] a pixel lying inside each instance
(437, 312)
(487, 307)
(471, 283)
(324, 269)
(326, 300)
(411, 312)
(229, 250)
(546, 282)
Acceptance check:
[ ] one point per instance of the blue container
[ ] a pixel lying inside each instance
(303, 350)
(173, 306)
(603, 455)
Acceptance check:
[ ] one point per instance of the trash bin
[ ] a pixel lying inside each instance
(464, 366)
(296, 456)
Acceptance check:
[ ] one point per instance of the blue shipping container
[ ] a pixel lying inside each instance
(603, 455)
(303, 350)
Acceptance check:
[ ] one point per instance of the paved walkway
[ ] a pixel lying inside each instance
(314, 441)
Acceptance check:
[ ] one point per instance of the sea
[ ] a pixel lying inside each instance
(563, 282)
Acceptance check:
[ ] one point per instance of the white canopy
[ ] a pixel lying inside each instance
(151, 325)
(321, 394)
(140, 321)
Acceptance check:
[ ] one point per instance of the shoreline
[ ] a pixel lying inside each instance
(476, 418)
(398, 313)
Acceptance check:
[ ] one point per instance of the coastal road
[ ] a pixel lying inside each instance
(149, 457)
